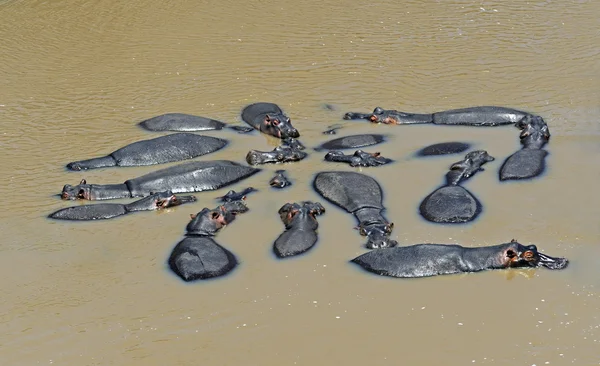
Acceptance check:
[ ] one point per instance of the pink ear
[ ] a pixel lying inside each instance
(192, 216)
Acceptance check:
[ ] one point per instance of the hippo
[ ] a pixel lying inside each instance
(351, 142)
(425, 260)
(360, 195)
(164, 149)
(280, 180)
(301, 225)
(359, 158)
(529, 162)
(452, 203)
(236, 196)
(156, 201)
(473, 116)
(194, 176)
(198, 256)
(443, 148)
(332, 129)
(187, 122)
(268, 118)
(280, 154)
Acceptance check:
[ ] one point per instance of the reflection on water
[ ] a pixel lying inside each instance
(77, 77)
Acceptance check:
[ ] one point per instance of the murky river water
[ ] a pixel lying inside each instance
(77, 75)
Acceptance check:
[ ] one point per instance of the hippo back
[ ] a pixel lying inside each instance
(349, 190)
(351, 142)
(196, 176)
(180, 122)
(479, 116)
(165, 149)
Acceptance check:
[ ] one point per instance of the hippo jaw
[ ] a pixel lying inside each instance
(378, 235)
(279, 126)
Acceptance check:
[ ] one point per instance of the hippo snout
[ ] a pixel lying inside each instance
(291, 132)
(378, 241)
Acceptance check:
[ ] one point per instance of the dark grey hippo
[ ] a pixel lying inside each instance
(528, 162)
(280, 154)
(268, 118)
(472, 116)
(359, 158)
(198, 256)
(360, 195)
(187, 122)
(443, 148)
(280, 180)
(156, 201)
(424, 260)
(195, 176)
(351, 142)
(301, 225)
(452, 203)
(164, 149)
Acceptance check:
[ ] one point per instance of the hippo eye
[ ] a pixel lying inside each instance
(81, 193)
(275, 122)
(528, 255)
(510, 253)
(214, 215)
(289, 120)
(388, 228)
(363, 231)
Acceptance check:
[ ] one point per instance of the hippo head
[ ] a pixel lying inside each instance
(168, 199)
(388, 116)
(208, 222)
(518, 255)
(292, 212)
(81, 191)
(378, 235)
(280, 154)
(278, 125)
(534, 131)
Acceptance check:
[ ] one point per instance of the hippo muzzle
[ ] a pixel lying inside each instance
(378, 236)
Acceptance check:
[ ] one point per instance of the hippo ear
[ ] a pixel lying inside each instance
(513, 240)
(267, 118)
(193, 216)
(83, 181)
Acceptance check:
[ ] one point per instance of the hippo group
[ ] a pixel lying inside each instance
(198, 256)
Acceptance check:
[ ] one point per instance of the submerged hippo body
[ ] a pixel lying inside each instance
(529, 162)
(164, 149)
(360, 195)
(280, 180)
(472, 116)
(301, 225)
(425, 260)
(352, 142)
(268, 118)
(195, 176)
(186, 122)
(359, 158)
(198, 256)
(156, 201)
(443, 148)
(452, 203)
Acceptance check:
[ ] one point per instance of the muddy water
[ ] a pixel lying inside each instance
(77, 76)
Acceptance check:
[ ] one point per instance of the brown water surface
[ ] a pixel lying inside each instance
(77, 75)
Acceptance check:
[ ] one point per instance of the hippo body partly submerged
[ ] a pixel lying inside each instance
(268, 118)
(195, 176)
(473, 116)
(156, 201)
(361, 196)
(187, 122)
(164, 149)
(424, 260)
